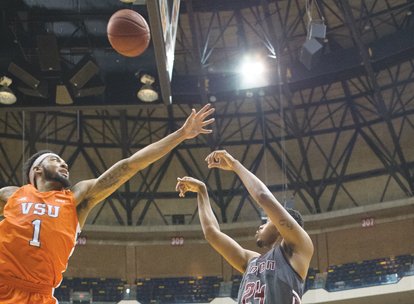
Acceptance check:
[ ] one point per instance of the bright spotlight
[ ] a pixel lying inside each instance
(251, 68)
(252, 72)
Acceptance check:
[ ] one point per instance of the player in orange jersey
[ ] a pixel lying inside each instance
(42, 218)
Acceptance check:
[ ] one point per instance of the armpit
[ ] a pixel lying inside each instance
(288, 250)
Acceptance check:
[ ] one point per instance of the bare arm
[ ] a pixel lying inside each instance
(90, 192)
(5, 193)
(294, 236)
(237, 256)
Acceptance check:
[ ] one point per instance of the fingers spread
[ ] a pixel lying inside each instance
(206, 131)
(207, 122)
(193, 113)
(205, 108)
(207, 113)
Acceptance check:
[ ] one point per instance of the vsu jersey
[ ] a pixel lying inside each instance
(270, 279)
(37, 237)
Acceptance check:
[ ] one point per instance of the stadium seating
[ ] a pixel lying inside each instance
(368, 273)
(182, 290)
(101, 289)
(203, 289)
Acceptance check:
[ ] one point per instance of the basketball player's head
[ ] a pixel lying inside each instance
(267, 234)
(49, 166)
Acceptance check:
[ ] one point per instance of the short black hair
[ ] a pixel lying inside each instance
(296, 215)
(28, 164)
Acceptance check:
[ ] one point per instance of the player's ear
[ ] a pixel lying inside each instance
(37, 169)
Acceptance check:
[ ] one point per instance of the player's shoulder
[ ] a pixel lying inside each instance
(6, 192)
(9, 188)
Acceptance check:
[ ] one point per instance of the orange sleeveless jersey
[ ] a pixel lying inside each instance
(37, 237)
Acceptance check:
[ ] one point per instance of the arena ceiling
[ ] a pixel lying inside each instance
(330, 137)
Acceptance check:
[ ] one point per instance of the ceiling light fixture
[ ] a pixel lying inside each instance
(252, 71)
(147, 93)
(7, 96)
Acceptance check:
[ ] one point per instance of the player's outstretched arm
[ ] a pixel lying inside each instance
(90, 192)
(236, 255)
(5, 193)
(294, 236)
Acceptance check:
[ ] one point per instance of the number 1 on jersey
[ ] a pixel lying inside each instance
(36, 233)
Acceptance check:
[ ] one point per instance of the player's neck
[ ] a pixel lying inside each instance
(277, 242)
(45, 186)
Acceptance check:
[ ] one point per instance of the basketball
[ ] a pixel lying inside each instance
(128, 33)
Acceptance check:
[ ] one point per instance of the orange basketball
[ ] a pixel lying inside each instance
(128, 33)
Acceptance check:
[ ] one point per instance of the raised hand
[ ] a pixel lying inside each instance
(188, 184)
(220, 159)
(196, 122)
